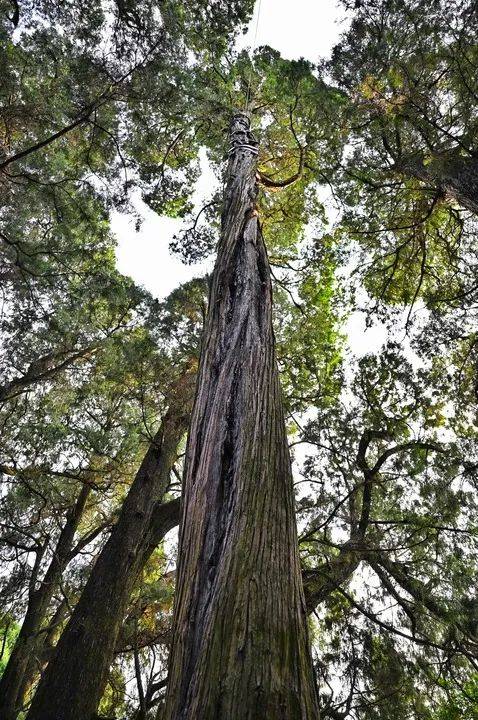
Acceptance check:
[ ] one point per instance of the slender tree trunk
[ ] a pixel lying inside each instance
(17, 675)
(240, 647)
(455, 176)
(74, 680)
(45, 649)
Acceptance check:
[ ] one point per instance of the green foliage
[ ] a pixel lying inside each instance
(114, 698)
(290, 106)
(8, 632)
(409, 70)
(309, 340)
(460, 705)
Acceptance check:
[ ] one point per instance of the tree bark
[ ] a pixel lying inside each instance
(46, 646)
(17, 675)
(240, 646)
(74, 680)
(455, 176)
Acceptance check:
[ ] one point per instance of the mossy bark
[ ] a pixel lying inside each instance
(240, 647)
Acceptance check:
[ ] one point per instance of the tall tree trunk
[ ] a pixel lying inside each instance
(455, 176)
(17, 675)
(74, 680)
(240, 647)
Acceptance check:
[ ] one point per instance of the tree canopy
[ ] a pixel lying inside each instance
(367, 172)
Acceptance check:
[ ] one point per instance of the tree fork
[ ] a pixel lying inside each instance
(240, 644)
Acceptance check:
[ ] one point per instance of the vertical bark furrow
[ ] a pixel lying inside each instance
(240, 647)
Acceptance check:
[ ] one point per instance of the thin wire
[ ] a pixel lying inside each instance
(246, 106)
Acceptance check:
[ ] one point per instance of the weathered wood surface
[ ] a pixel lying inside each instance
(240, 647)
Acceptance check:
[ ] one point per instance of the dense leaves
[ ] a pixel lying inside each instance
(103, 100)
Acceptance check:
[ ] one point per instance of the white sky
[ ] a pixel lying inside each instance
(304, 28)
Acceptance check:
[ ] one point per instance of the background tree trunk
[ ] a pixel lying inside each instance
(17, 675)
(455, 176)
(240, 646)
(74, 680)
(45, 649)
